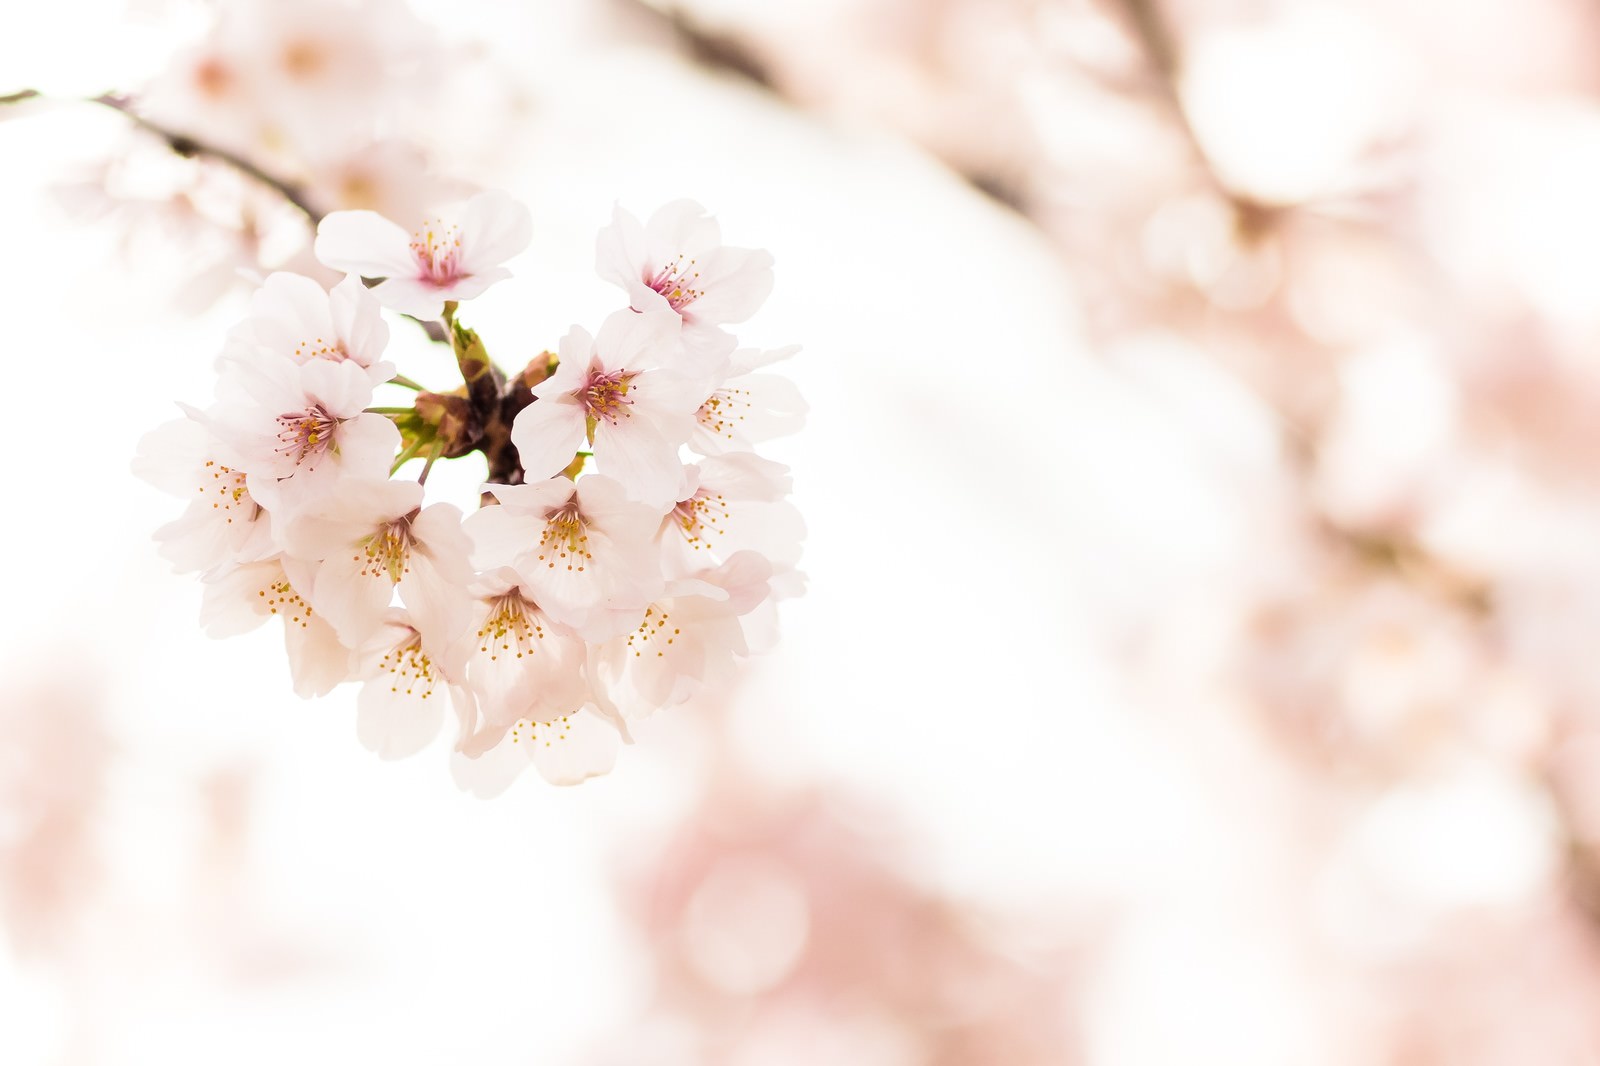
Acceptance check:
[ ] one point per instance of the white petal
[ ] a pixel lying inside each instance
(748, 359)
(500, 535)
(396, 716)
(440, 607)
(682, 227)
(230, 605)
(353, 600)
(365, 243)
(569, 751)
(735, 283)
(494, 227)
(547, 435)
(619, 255)
(491, 773)
(641, 459)
(358, 321)
(536, 497)
(367, 445)
(631, 340)
(170, 454)
(344, 519)
(411, 296)
(317, 660)
(288, 310)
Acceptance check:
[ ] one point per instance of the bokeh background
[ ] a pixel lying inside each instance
(1198, 660)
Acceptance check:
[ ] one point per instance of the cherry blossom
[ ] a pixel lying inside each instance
(749, 406)
(617, 392)
(243, 597)
(299, 429)
(447, 258)
(733, 503)
(375, 540)
(521, 664)
(677, 260)
(401, 705)
(566, 751)
(582, 548)
(223, 523)
(688, 638)
(601, 578)
(293, 317)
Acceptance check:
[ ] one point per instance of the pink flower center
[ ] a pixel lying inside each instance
(605, 396)
(437, 249)
(306, 435)
(676, 281)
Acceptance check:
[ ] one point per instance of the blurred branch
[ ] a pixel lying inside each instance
(192, 147)
(1413, 563)
(1153, 34)
(188, 146)
(732, 54)
(719, 51)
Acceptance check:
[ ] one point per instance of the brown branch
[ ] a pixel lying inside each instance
(1153, 33)
(189, 147)
(192, 147)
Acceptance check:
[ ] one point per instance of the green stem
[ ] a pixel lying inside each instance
(392, 412)
(438, 448)
(408, 453)
(406, 383)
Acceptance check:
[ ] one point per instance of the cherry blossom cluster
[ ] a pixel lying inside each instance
(630, 544)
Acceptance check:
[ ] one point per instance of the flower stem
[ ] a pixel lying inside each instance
(405, 383)
(408, 453)
(438, 447)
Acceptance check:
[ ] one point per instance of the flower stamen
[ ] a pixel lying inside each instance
(437, 249)
(675, 282)
(606, 395)
(565, 537)
(387, 553)
(511, 625)
(409, 666)
(306, 435)
(699, 516)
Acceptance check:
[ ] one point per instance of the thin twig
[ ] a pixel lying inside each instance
(434, 453)
(186, 145)
(1153, 34)
(190, 147)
